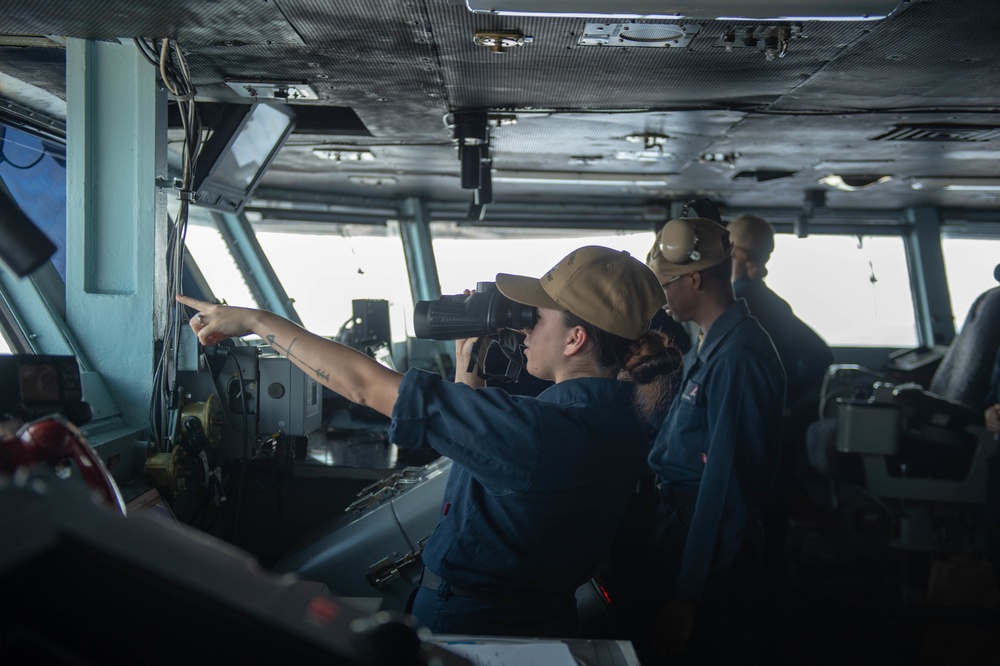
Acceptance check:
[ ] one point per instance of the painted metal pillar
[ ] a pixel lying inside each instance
(418, 249)
(931, 298)
(253, 263)
(116, 298)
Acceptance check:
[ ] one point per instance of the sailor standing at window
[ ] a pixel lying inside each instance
(804, 355)
(715, 455)
(538, 484)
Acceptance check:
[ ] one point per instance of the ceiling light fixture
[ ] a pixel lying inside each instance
(642, 155)
(858, 165)
(372, 181)
(573, 178)
(584, 160)
(957, 184)
(728, 10)
(852, 183)
(973, 188)
(338, 155)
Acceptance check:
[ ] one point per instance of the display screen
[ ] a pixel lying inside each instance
(39, 382)
(250, 151)
(236, 155)
(33, 384)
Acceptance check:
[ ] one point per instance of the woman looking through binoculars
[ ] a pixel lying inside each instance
(538, 484)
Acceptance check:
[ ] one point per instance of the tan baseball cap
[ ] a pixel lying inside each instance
(688, 244)
(753, 234)
(608, 288)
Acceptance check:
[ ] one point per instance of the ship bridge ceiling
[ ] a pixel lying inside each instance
(752, 114)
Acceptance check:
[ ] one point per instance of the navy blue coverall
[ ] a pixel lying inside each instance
(715, 458)
(536, 490)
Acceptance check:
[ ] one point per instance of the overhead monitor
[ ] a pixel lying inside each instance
(238, 153)
(752, 10)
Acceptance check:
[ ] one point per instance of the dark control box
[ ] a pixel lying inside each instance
(290, 401)
(371, 322)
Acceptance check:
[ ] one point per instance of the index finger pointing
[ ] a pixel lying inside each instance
(191, 302)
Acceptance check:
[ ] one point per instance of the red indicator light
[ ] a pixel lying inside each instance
(321, 611)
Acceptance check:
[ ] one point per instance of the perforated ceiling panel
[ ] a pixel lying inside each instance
(943, 55)
(191, 21)
(555, 71)
(402, 66)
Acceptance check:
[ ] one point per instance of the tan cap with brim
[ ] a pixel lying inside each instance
(607, 288)
(687, 245)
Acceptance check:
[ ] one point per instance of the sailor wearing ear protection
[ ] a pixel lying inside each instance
(714, 456)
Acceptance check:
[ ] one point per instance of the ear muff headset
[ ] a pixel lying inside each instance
(679, 242)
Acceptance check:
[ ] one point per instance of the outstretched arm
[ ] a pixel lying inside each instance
(340, 368)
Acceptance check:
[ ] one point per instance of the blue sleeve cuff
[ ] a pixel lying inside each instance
(408, 428)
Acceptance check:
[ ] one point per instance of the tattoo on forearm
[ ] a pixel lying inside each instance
(322, 375)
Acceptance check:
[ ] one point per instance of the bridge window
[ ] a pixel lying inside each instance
(34, 170)
(853, 291)
(467, 255)
(326, 267)
(208, 249)
(969, 264)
